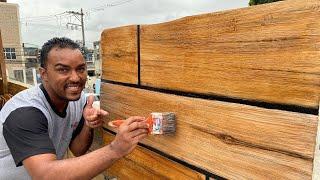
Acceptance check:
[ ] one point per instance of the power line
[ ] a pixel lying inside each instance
(48, 18)
(44, 25)
(66, 17)
(119, 3)
(95, 9)
(36, 17)
(108, 5)
(76, 15)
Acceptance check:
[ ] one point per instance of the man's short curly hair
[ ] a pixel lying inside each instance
(62, 42)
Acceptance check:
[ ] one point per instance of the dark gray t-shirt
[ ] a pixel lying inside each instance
(30, 125)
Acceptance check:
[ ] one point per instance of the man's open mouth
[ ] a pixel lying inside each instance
(74, 87)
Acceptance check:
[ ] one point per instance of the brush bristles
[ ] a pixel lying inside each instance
(167, 123)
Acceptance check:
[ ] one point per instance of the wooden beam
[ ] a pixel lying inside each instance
(266, 53)
(316, 161)
(3, 77)
(119, 54)
(145, 164)
(230, 140)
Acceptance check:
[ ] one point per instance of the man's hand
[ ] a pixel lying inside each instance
(129, 134)
(93, 116)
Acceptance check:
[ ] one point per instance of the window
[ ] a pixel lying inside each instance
(10, 53)
(18, 75)
(89, 57)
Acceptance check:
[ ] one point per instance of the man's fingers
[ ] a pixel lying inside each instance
(137, 125)
(132, 119)
(94, 124)
(90, 101)
(103, 112)
(99, 124)
(138, 132)
(138, 138)
(92, 117)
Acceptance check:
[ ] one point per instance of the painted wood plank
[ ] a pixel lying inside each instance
(145, 164)
(316, 161)
(14, 87)
(231, 140)
(119, 54)
(4, 81)
(266, 53)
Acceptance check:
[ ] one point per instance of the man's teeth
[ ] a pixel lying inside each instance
(73, 86)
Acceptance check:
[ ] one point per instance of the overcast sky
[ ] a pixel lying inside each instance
(42, 20)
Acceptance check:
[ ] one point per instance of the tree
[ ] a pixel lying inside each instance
(256, 2)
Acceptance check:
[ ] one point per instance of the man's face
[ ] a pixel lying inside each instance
(65, 74)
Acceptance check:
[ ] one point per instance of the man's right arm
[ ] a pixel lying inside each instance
(45, 166)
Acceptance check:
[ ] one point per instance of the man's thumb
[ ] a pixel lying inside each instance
(90, 100)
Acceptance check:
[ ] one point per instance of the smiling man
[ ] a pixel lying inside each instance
(38, 125)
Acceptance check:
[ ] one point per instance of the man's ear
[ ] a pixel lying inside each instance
(43, 74)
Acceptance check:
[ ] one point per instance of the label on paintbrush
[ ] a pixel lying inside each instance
(157, 123)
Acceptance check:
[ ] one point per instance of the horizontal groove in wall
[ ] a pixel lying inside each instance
(285, 107)
(200, 170)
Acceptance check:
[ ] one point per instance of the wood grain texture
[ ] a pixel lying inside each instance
(316, 161)
(3, 76)
(119, 54)
(145, 164)
(231, 140)
(14, 88)
(264, 53)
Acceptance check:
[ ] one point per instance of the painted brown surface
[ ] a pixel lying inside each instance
(316, 160)
(3, 76)
(145, 164)
(264, 53)
(14, 88)
(231, 140)
(119, 54)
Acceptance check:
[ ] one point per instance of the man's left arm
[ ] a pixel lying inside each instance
(81, 141)
(92, 118)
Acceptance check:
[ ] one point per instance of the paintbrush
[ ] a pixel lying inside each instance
(159, 123)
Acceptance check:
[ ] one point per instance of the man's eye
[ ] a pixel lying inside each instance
(83, 69)
(62, 70)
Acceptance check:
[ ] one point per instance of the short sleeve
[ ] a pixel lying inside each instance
(26, 133)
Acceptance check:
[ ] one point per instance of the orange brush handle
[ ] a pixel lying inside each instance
(117, 123)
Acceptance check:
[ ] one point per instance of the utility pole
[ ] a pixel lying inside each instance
(82, 27)
(76, 15)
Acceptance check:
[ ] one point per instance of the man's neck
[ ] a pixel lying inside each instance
(58, 103)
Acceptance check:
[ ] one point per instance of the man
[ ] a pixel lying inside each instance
(39, 124)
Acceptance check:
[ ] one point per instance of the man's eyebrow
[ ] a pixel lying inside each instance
(59, 64)
(63, 65)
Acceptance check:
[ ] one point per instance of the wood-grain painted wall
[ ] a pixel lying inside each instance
(244, 85)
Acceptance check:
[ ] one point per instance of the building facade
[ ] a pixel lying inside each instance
(11, 39)
(96, 58)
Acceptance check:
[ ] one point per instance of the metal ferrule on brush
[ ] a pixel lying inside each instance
(163, 123)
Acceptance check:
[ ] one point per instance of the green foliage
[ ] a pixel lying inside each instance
(255, 2)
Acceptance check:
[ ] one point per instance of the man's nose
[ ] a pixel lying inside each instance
(74, 76)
